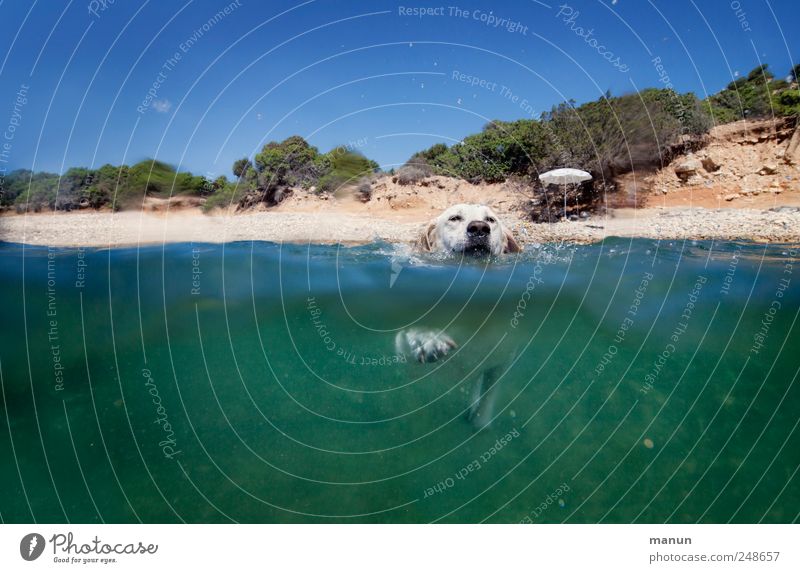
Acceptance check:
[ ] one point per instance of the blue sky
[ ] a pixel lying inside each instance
(369, 73)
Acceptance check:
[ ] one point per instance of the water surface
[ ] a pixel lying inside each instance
(256, 382)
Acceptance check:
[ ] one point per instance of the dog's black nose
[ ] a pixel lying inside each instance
(478, 229)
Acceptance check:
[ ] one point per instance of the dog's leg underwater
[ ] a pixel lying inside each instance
(483, 397)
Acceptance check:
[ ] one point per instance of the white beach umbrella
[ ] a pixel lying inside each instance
(564, 176)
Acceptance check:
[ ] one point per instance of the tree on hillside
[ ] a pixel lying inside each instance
(292, 162)
(241, 166)
(751, 96)
(761, 72)
(611, 134)
(344, 166)
(788, 102)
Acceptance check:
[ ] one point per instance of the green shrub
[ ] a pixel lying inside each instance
(290, 163)
(294, 163)
(788, 102)
(39, 193)
(231, 193)
(610, 134)
(342, 166)
(757, 95)
(241, 166)
(13, 185)
(119, 187)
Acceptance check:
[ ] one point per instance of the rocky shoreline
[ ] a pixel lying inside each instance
(106, 229)
(743, 184)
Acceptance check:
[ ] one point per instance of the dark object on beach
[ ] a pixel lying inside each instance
(364, 191)
(410, 174)
(270, 197)
(547, 206)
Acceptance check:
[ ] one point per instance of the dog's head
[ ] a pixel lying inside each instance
(468, 229)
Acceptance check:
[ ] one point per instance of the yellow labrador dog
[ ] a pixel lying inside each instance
(468, 229)
(471, 230)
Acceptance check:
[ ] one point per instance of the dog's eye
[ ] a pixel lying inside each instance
(491, 220)
(455, 218)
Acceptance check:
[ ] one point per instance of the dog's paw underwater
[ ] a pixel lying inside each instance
(424, 345)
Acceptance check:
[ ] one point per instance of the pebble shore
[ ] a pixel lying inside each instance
(105, 229)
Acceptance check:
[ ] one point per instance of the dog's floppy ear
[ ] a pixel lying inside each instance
(427, 240)
(510, 244)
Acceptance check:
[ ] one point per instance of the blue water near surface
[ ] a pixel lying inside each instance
(619, 382)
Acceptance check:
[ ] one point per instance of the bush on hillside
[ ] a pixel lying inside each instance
(343, 167)
(288, 164)
(608, 135)
(227, 195)
(788, 103)
(119, 187)
(754, 96)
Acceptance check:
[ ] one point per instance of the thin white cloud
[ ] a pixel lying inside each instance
(162, 105)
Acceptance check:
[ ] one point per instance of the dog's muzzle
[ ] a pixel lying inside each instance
(478, 233)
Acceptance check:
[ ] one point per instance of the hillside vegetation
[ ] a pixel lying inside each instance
(613, 134)
(290, 164)
(116, 186)
(608, 137)
(276, 169)
(757, 95)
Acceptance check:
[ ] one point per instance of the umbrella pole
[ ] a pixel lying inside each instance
(565, 200)
(547, 200)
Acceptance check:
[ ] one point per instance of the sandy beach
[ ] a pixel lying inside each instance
(106, 229)
(743, 185)
(739, 187)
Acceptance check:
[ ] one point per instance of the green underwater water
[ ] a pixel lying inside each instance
(629, 381)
